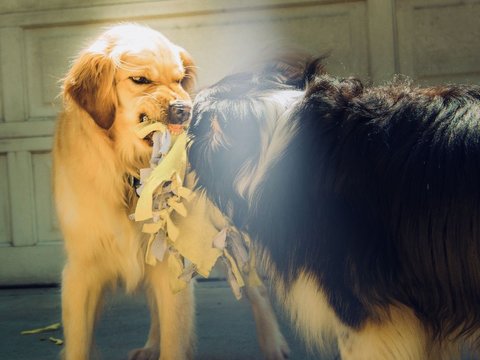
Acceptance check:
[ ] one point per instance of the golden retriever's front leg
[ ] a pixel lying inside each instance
(81, 295)
(176, 314)
(271, 341)
(151, 349)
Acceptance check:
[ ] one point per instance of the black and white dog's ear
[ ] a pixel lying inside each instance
(314, 68)
(294, 69)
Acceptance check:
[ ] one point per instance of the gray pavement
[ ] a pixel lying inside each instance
(225, 327)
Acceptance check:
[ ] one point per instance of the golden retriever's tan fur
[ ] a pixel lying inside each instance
(128, 72)
(95, 150)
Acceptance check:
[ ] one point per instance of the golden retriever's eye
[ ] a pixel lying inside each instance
(144, 117)
(140, 80)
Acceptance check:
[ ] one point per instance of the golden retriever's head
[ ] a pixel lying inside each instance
(130, 74)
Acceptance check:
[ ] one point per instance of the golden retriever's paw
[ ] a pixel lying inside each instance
(144, 354)
(275, 347)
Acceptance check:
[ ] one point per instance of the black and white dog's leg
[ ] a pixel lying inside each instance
(271, 341)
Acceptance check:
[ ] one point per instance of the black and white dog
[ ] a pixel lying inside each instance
(364, 202)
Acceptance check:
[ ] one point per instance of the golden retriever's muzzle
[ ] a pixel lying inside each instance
(179, 112)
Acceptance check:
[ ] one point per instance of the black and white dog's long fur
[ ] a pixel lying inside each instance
(364, 201)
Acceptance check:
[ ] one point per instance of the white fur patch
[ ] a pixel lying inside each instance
(398, 336)
(309, 310)
(276, 131)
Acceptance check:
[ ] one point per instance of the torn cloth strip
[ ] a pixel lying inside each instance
(184, 229)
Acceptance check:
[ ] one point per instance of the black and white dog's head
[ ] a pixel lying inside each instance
(241, 126)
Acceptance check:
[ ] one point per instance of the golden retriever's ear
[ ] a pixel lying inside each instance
(91, 83)
(188, 82)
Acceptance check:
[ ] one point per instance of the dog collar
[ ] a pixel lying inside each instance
(134, 183)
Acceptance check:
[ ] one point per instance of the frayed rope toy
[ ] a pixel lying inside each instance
(175, 218)
(49, 328)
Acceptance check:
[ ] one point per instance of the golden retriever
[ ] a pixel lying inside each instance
(130, 71)
(128, 74)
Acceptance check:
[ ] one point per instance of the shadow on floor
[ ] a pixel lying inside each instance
(225, 327)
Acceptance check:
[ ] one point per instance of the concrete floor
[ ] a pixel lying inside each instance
(225, 327)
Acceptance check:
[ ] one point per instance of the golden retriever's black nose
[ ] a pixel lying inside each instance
(179, 111)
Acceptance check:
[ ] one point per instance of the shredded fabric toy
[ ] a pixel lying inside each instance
(49, 328)
(191, 245)
(52, 327)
